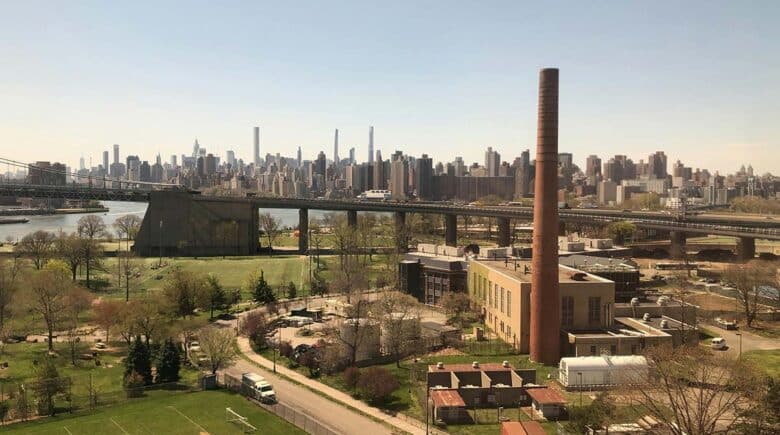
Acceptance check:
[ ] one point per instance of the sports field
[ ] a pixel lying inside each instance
(198, 413)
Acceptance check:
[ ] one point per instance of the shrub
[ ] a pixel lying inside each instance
(286, 349)
(376, 384)
(134, 384)
(351, 376)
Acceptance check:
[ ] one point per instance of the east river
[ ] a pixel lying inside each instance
(68, 222)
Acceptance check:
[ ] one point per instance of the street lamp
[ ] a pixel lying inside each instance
(580, 375)
(739, 334)
(427, 406)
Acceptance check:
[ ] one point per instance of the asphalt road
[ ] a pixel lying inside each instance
(335, 416)
(750, 341)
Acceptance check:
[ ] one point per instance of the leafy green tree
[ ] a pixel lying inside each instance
(169, 362)
(319, 287)
(37, 246)
(47, 386)
(621, 231)
(182, 291)
(261, 292)
(599, 413)
(292, 291)
(139, 360)
(90, 228)
(216, 298)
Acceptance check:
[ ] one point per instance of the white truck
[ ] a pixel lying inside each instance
(256, 387)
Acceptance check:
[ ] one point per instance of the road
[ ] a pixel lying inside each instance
(335, 416)
(750, 341)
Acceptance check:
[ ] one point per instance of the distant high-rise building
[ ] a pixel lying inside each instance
(145, 172)
(657, 165)
(133, 168)
(300, 162)
(81, 163)
(460, 167)
(210, 164)
(321, 164)
(399, 176)
(105, 162)
(196, 149)
(231, 158)
(116, 153)
(492, 162)
(423, 177)
(336, 148)
(352, 156)
(593, 169)
(370, 144)
(173, 160)
(256, 156)
(379, 174)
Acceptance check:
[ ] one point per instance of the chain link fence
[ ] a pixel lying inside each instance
(295, 416)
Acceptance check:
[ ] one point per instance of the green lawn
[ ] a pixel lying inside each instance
(769, 360)
(163, 413)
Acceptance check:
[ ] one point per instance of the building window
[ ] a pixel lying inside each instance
(509, 303)
(508, 330)
(613, 349)
(593, 350)
(495, 299)
(502, 326)
(502, 299)
(490, 296)
(567, 311)
(594, 309)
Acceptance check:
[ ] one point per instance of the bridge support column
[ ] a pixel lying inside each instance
(746, 248)
(451, 229)
(504, 232)
(352, 218)
(303, 230)
(677, 247)
(561, 228)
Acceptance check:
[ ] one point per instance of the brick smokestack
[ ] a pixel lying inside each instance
(545, 300)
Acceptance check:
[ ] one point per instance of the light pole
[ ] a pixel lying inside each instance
(427, 406)
(161, 230)
(739, 334)
(580, 375)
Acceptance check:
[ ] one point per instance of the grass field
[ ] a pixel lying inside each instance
(769, 360)
(166, 413)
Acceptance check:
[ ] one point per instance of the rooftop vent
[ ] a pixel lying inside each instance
(662, 301)
(646, 317)
(578, 276)
(634, 302)
(475, 364)
(664, 324)
(505, 364)
(439, 365)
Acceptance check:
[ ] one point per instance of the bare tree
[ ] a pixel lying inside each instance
(127, 226)
(132, 269)
(316, 237)
(47, 291)
(217, 345)
(747, 279)
(70, 249)
(9, 286)
(90, 228)
(38, 247)
(271, 227)
(77, 301)
(399, 316)
(367, 228)
(692, 391)
(108, 315)
(354, 330)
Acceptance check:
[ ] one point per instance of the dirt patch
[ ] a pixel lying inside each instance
(447, 351)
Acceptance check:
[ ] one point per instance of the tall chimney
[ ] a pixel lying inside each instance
(545, 300)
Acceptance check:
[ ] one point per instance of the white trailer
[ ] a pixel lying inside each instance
(602, 371)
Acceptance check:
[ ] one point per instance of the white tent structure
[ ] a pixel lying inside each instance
(602, 371)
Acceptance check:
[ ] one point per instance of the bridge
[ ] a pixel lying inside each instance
(182, 222)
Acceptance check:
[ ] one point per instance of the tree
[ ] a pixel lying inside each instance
(292, 291)
(47, 291)
(456, 305)
(259, 288)
(77, 301)
(9, 273)
(376, 384)
(747, 279)
(255, 326)
(217, 346)
(215, 297)
(139, 361)
(692, 391)
(107, 315)
(399, 316)
(181, 292)
(621, 231)
(149, 319)
(128, 226)
(353, 331)
(38, 247)
(270, 227)
(71, 250)
(764, 417)
(316, 237)
(367, 227)
(91, 227)
(48, 384)
(132, 268)
(596, 415)
(169, 362)
(319, 287)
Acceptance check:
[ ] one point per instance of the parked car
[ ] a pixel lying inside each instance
(718, 343)
(725, 324)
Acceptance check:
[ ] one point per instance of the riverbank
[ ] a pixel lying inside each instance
(20, 220)
(81, 210)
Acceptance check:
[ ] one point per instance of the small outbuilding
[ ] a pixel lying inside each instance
(522, 428)
(601, 371)
(547, 402)
(448, 406)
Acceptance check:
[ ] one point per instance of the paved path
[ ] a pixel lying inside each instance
(314, 402)
(750, 341)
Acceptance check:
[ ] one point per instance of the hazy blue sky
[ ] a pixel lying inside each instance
(700, 80)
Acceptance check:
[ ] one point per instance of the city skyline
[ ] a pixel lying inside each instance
(450, 86)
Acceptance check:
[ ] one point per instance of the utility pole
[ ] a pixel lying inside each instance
(161, 230)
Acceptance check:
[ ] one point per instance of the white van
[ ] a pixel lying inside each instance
(718, 343)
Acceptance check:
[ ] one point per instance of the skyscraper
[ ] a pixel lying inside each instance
(257, 147)
(492, 162)
(352, 156)
(105, 162)
(423, 179)
(116, 153)
(379, 177)
(299, 157)
(336, 148)
(371, 144)
(399, 177)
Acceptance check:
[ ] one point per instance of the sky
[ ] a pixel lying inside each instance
(697, 79)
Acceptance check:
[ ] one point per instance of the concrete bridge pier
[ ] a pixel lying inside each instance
(352, 218)
(677, 246)
(746, 248)
(451, 229)
(504, 232)
(303, 230)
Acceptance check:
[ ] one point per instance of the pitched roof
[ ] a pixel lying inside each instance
(447, 398)
(521, 428)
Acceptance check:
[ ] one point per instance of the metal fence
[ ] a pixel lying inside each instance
(295, 416)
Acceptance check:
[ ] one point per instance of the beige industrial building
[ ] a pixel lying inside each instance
(501, 289)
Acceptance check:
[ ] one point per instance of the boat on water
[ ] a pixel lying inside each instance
(14, 220)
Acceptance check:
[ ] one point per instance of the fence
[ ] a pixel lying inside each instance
(292, 415)
(74, 395)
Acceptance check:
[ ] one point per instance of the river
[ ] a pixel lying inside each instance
(69, 222)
